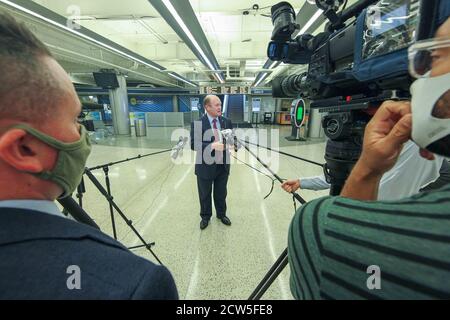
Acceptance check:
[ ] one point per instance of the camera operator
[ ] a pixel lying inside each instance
(409, 174)
(43, 152)
(353, 247)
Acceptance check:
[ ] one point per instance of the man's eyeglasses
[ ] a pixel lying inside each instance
(420, 55)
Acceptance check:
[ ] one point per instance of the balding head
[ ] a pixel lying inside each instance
(32, 85)
(213, 105)
(35, 90)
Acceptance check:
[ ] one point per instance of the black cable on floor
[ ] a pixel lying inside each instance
(169, 168)
(250, 166)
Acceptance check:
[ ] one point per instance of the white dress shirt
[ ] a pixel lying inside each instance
(41, 206)
(410, 173)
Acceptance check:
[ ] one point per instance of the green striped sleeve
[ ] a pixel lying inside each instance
(333, 241)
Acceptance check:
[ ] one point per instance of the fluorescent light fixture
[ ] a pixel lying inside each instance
(311, 21)
(188, 33)
(218, 78)
(181, 79)
(265, 74)
(62, 26)
(261, 79)
(225, 104)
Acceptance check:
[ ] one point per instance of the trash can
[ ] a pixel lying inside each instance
(140, 127)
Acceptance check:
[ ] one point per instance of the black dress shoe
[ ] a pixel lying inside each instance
(225, 221)
(203, 224)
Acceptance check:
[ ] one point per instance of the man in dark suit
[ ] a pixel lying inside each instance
(43, 152)
(212, 165)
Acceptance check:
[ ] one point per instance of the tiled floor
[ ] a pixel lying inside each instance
(160, 197)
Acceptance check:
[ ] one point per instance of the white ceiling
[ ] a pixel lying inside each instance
(136, 25)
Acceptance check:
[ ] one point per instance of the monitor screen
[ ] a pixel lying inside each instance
(106, 80)
(391, 19)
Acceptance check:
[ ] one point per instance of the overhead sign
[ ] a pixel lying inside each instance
(225, 90)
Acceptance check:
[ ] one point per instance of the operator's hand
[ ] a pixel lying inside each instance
(218, 146)
(291, 185)
(385, 135)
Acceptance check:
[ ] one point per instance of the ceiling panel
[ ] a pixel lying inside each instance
(236, 31)
(100, 7)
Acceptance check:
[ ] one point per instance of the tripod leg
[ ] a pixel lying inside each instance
(122, 215)
(77, 212)
(80, 199)
(270, 277)
(80, 190)
(141, 246)
(111, 210)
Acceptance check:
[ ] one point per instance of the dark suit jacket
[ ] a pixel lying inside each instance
(36, 250)
(201, 142)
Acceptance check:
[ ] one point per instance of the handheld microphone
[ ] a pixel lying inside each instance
(229, 138)
(178, 149)
(227, 134)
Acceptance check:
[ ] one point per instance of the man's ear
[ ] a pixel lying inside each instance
(19, 151)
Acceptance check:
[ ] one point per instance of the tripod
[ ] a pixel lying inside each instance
(77, 212)
(105, 168)
(80, 190)
(336, 171)
(112, 205)
(108, 197)
(282, 261)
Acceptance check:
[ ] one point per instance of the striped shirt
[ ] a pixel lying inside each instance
(333, 241)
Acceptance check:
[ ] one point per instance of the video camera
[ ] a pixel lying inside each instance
(358, 61)
(361, 54)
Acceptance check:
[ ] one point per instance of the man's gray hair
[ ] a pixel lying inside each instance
(208, 99)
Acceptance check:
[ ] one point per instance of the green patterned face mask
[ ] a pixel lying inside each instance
(71, 162)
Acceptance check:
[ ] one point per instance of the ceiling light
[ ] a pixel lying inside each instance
(274, 64)
(181, 79)
(261, 79)
(311, 21)
(188, 33)
(62, 26)
(183, 26)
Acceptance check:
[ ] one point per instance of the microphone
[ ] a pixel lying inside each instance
(229, 138)
(227, 135)
(178, 149)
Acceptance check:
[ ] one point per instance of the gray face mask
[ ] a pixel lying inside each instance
(71, 162)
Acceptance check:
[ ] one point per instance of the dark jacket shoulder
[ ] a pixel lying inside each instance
(40, 251)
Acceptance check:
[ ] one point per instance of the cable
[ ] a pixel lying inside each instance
(343, 8)
(284, 153)
(272, 179)
(136, 223)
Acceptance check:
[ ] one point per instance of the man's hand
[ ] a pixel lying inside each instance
(384, 137)
(218, 146)
(291, 185)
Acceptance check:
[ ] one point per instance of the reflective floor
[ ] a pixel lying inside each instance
(160, 197)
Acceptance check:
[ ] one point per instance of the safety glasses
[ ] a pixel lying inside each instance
(422, 53)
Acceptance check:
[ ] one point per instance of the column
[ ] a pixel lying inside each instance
(119, 107)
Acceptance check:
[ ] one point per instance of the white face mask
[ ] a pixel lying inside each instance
(431, 115)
